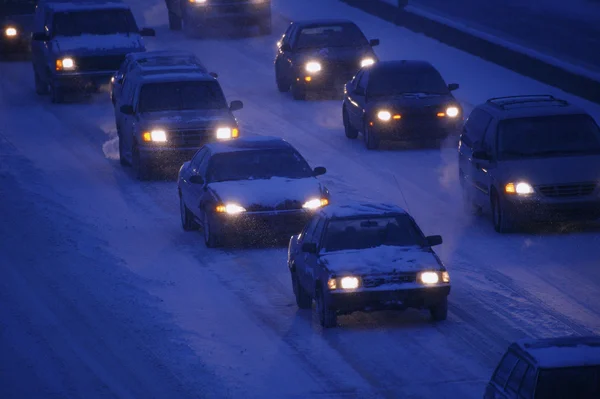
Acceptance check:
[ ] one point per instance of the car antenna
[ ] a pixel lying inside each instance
(402, 192)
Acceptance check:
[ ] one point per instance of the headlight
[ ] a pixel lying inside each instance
(65, 64)
(197, 1)
(445, 277)
(384, 116)
(345, 283)
(520, 188)
(313, 67)
(367, 62)
(315, 203)
(158, 136)
(230, 209)
(10, 32)
(429, 277)
(226, 133)
(452, 112)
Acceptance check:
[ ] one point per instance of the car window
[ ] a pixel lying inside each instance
(568, 383)
(316, 236)
(516, 376)
(505, 368)
(310, 228)
(489, 139)
(476, 126)
(285, 39)
(363, 80)
(128, 90)
(94, 22)
(331, 35)
(528, 384)
(198, 158)
(391, 81)
(181, 95)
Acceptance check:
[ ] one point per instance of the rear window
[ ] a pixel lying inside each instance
(180, 96)
(569, 383)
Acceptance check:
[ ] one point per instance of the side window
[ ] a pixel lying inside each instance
(48, 22)
(363, 81)
(310, 229)
(475, 127)
(357, 78)
(285, 39)
(528, 384)
(514, 381)
(318, 231)
(489, 139)
(203, 166)
(505, 368)
(127, 95)
(198, 158)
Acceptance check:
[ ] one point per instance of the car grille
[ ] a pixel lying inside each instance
(345, 70)
(288, 205)
(376, 281)
(100, 63)
(567, 190)
(189, 138)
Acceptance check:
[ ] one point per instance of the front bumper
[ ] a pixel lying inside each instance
(542, 210)
(418, 297)
(81, 81)
(423, 129)
(288, 222)
(243, 13)
(166, 156)
(324, 81)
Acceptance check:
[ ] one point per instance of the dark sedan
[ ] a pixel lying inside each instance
(250, 185)
(16, 22)
(400, 101)
(321, 55)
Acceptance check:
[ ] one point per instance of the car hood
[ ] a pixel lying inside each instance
(414, 101)
(383, 259)
(554, 170)
(268, 194)
(188, 119)
(93, 44)
(336, 54)
(23, 23)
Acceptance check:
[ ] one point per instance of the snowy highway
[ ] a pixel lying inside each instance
(102, 294)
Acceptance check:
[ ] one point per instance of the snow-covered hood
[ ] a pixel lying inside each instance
(383, 259)
(92, 44)
(192, 119)
(552, 170)
(268, 194)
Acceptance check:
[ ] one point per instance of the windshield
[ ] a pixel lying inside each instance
(341, 35)
(548, 136)
(94, 22)
(179, 96)
(569, 383)
(366, 233)
(391, 81)
(259, 164)
(17, 7)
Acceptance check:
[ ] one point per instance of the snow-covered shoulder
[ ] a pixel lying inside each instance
(99, 42)
(564, 352)
(382, 259)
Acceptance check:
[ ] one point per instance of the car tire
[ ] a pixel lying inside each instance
(303, 298)
(40, 87)
(187, 218)
(350, 131)
(122, 159)
(211, 240)
(142, 169)
(500, 218)
(174, 21)
(371, 142)
(327, 316)
(439, 312)
(298, 92)
(283, 85)
(57, 95)
(265, 27)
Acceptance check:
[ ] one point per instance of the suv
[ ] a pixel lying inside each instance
(555, 368)
(195, 13)
(168, 117)
(78, 45)
(16, 19)
(530, 158)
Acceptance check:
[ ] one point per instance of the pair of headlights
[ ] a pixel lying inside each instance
(160, 136)
(353, 282)
(236, 209)
(315, 66)
(385, 115)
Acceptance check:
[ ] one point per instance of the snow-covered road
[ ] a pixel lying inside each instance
(103, 295)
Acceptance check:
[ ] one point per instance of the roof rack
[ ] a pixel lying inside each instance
(503, 102)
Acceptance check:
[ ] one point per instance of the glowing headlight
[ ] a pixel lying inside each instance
(197, 1)
(520, 188)
(65, 64)
(452, 112)
(313, 67)
(367, 62)
(226, 133)
(445, 277)
(230, 209)
(349, 283)
(10, 32)
(384, 116)
(429, 277)
(315, 203)
(159, 136)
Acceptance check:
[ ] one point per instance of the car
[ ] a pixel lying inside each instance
(16, 21)
(403, 100)
(78, 45)
(192, 14)
(155, 62)
(320, 55)
(366, 257)
(549, 368)
(530, 159)
(250, 186)
(163, 119)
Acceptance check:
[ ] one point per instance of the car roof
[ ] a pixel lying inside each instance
(249, 144)
(561, 352)
(313, 23)
(361, 209)
(77, 5)
(159, 54)
(404, 65)
(192, 75)
(531, 105)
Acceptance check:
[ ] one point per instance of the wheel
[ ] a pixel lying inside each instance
(439, 312)
(265, 27)
(187, 219)
(174, 21)
(142, 169)
(327, 317)
(282, 84)
(210, 239)
(122, 158)
(40, 87)
(303, 298)
(500, 218)
(57, 95)
(350, 131)
(371, 142)
(298, 92)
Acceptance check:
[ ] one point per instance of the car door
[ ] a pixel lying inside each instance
(127, 123)
(485, 171)
(189, 191)
(37, 46)
(357, 99)
(496, 387)
(470, 139)
(286, 58)
(200, 192)
(312, 270)
(301, 259)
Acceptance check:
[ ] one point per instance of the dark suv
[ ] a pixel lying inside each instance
(530, 159)
(195, 13)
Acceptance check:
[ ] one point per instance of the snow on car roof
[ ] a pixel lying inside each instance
(562, 352)
(160, 54)
(192, 75)
(361, 209)
(318, 22)
(249, 143)
(86, 5)
(157, 70)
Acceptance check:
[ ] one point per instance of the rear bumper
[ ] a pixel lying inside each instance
(537, 210)
(276, 222)
(240, 13)
(82, 81)
(373, 299)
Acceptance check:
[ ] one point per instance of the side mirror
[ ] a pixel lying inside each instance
(127, 109)
(359, 91)
(236, 105)
(319, 170)
(309, 247)
(40, 37)
(453, 86)
(147, 32)
(285, 47)
(196, 179)
(432, 241)
(481, 155)
(213, 74)
(374, 42)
